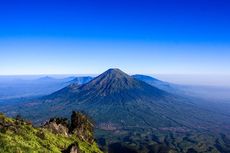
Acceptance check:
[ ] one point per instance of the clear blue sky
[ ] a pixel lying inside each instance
(138, 36)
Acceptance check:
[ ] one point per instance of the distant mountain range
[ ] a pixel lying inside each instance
(118, 100)
(208, 93)
(17, 88)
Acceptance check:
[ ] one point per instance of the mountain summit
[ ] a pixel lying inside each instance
(113, 81)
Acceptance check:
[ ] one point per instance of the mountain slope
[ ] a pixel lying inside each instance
(117, 100)
(17, 135)
(169, 87)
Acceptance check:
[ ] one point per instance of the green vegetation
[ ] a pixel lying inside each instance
(18, 136)
(163, 141)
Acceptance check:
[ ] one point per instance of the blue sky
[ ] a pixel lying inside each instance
(88, 36)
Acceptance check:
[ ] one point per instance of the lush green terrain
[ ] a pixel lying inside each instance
(18, 136)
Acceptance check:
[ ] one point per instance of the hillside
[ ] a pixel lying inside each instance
(19, 136)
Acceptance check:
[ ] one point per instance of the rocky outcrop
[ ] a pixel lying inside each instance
(57, 128)
(73, 148)
(80, 125)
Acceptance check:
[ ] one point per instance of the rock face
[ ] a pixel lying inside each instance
(73, 148)
(56, 128)
(80, 125)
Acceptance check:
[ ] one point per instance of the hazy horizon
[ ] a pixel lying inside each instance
(182, 79)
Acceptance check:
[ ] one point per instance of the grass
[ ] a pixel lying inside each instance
(21, 137)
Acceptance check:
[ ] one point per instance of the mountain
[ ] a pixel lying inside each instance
(46, 78)
(17, 88)
(117, 100)
(208, 93)
(169, 87)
